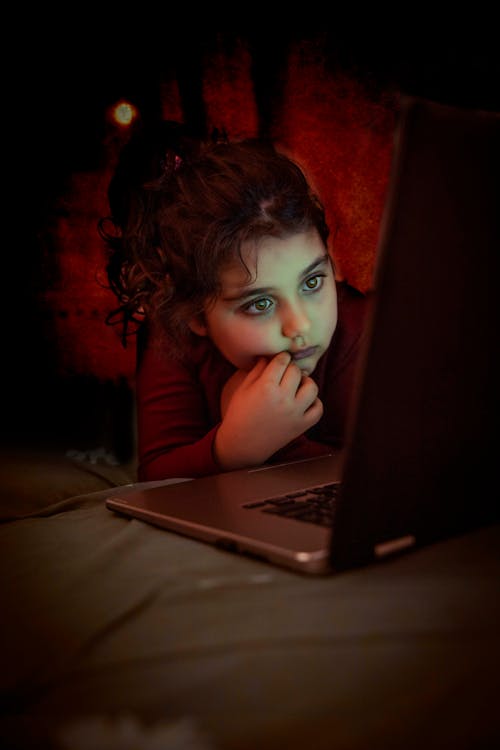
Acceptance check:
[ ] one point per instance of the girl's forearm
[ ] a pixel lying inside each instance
(191, 460)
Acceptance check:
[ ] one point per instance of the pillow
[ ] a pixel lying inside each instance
(31, 480)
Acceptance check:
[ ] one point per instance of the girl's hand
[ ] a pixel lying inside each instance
(263, 410)
(229, 389)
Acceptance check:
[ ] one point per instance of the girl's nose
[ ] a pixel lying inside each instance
(295, 322)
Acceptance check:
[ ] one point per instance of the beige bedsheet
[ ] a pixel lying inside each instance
(117, 635)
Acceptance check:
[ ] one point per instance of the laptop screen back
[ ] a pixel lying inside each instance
(421, 436)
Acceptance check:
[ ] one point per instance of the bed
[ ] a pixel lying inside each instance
(119, 635)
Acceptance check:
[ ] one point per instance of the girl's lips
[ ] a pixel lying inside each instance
(304, 353)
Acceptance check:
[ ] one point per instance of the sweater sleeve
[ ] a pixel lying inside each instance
(175, 434)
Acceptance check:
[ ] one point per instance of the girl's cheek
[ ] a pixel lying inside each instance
(254, 341)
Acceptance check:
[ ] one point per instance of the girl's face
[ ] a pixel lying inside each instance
(289, 304)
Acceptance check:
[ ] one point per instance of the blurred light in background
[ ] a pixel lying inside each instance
(123, 113)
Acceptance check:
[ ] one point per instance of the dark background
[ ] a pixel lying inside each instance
(64, 74)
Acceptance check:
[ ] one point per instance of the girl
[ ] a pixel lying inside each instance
(247, 343)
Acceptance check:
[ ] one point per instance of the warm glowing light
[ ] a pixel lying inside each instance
(124, 113)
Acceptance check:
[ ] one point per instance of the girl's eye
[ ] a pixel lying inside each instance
(258, 306)
(313, 283)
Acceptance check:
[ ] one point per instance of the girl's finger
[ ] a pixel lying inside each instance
(256, 371)
(314, 413)
(307, 391)
(292, 378)
(277, 367)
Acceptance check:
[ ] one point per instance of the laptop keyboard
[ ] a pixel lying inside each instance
(314, 505)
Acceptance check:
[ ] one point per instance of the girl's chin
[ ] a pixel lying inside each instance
(307, 370)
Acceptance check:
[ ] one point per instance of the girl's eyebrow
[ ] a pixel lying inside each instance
(255, 291)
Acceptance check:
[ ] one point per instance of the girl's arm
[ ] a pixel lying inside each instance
(181, 432)
(175, 426)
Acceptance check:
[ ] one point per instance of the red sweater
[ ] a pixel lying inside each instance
(178, 400)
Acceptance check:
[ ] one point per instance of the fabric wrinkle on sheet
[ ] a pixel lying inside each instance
(127, 732)
(222, 582)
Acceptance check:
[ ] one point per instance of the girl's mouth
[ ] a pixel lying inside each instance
(304, 353)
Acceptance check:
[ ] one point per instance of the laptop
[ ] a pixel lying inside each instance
(419, 463)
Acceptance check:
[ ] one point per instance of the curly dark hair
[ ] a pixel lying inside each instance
(182, 212)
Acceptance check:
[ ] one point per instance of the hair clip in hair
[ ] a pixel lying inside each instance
(170, 162)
